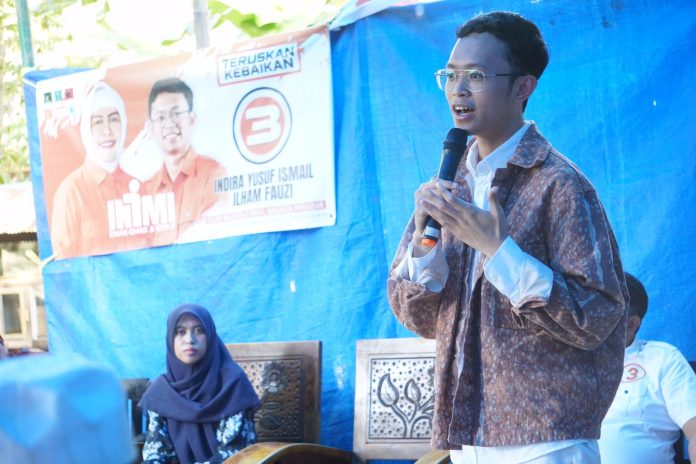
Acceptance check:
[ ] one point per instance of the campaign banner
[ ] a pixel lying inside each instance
(221, 142)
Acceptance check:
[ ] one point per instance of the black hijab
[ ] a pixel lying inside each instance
(194, 398)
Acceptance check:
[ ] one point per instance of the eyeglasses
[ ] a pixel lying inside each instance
(474, 80)
(176, 117)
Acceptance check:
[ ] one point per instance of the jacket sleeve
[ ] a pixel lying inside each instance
(588, 298)
(413, 304)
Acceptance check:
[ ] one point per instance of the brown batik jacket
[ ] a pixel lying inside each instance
(548, 369)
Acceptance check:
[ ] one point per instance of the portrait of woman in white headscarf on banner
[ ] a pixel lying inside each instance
(79, 224)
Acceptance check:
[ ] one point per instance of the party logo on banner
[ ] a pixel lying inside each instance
(262, 124)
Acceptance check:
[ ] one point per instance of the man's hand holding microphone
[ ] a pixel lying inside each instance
(438, 205)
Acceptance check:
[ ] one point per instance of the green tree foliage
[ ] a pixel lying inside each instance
(55, 44)
(13, 160)
(47, 32)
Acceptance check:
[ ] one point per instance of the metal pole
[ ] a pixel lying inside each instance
(25, 34)
(200, 23)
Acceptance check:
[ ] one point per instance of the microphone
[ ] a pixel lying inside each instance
(453, 148)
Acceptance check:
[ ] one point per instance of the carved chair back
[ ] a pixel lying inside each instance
(287, 379)
(394, 398)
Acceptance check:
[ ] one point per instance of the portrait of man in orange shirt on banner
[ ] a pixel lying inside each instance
(190, 176)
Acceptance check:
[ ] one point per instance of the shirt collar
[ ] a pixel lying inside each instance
(498, 157)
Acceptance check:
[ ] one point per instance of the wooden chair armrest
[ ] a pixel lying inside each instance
(270, 452)
(435, 457)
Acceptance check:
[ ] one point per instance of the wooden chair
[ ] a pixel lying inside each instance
(394, 400)
(287, 379)
(134, 390)
(394, 386)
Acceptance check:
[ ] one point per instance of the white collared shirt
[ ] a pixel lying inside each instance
(656, 397)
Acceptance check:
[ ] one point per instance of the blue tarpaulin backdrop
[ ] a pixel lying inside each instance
(617, 98)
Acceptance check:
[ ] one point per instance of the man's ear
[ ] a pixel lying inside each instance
(192, 117)
(524, 87)
(632, 324)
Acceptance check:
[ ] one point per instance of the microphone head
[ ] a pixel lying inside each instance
(456, 136)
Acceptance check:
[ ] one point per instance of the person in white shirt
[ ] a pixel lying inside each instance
(656, 398)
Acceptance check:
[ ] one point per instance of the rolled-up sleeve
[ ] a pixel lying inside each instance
(413, 303)
(517, 275)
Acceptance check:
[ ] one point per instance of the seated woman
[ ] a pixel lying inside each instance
(202, 409)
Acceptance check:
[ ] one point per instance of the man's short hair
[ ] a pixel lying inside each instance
(170, 85)
(527, 52)
(638, 297)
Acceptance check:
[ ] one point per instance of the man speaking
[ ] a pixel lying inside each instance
(524, 290)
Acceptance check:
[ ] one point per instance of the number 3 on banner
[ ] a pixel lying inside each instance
(265, 127)
(262, 125)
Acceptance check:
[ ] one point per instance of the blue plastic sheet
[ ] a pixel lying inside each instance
(617, 98)
(62, 410)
